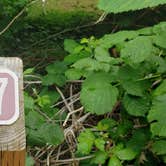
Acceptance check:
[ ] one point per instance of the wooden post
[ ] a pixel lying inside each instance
(12, 123)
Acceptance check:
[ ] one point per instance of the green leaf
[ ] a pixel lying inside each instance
(34, 120)
(100, 157)
(160, 40)
(56, 74)
(97, 94)
(56, 68)
(28, 71)
(29, 161)
(113, 39)
(161, 89)
(52, 94)
(28, 102)
(85, 142)
(54, 134)
(74, 57)
(136, 106)
(70, 45)
(126, 154)
(90, 64)
(137, 50)
(47, 133)
(74, 74)
(118, 6)
(129, 78)
(106, 124)
(102, 55)
(50, 79)
(100, 144)
(157, 116)
(114, 161)
(159, 147)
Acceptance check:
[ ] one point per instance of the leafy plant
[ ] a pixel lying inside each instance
(118, 6)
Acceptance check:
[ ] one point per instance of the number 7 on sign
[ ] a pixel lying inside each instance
(3, 85)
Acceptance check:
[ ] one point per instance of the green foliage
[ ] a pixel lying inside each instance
(97, 94)
(129, 77)
(118, 6)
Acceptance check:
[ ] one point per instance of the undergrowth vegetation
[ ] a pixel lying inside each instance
(103, 101)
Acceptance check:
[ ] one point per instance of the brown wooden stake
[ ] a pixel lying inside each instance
(12, 132)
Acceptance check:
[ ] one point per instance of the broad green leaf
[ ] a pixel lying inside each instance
(100, 157)
(34, 120)
(97, 94)
(100, 144)
(118, 6)
(138, 140)
(50, 79)
(70, 45)
(56, 74)
(136, 106)
(102, 55)
(159, 147)
(130, 80)
(106, 124)
(72, 58)
(126, 154)
(52, 133)
(47, 133)
(90, 64)
(114, 161)
(74, 74)
(113, 39)
(160, 40)
(85, 142)
(137, 50)
(56, 68)
(53, 94)
(157, 116)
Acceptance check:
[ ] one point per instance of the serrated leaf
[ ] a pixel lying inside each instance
(137, 50)
(159, 147)
(50, 79)
(114, 161)
(102, 55)
(34, 120)
(136, 106)
(126, 154)
(118, 6)
(97, 94)
(113, 39)
(106, 124)
(157, 116)
(100, 144)
(160, 40)
(130, 80)
(55, 74)
(90, 64)
(47, 133)
(70, 45)
(100, 157)
(85, 142)
(74, 74)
